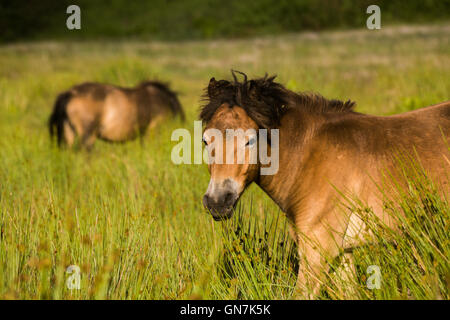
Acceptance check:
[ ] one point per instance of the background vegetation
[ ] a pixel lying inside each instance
(133, 221)
(202, 19)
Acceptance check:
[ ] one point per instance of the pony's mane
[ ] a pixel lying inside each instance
(163, 86)
(174, 103)
(265, 100)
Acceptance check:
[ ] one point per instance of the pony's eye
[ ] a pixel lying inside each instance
(251, 142)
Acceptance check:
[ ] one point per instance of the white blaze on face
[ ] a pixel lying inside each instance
(211, 191)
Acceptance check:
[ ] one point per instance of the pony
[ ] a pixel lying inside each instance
(116, 114)
(324, 147)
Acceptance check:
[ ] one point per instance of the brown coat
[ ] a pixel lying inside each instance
(324, 146)
(95, 110)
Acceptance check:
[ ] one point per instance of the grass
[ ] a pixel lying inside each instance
(415, 258)
(133, 221)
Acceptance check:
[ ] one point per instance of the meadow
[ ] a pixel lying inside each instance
(134, 222)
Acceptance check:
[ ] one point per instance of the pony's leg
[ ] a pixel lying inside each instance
(345, 277)
(89, 136)
(317, 247)
(88, 143)
(69, 134)
(79, 127)
(141, 135)
(310, 273)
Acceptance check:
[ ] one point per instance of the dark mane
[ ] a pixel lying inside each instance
(264, 100)
(162, 86)
(174, 103)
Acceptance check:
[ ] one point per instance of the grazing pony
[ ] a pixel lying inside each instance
(95, 110)
(324, 148)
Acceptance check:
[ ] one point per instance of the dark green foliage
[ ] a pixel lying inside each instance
(199, 19)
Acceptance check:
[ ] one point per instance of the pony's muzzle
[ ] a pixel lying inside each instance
(221, 203)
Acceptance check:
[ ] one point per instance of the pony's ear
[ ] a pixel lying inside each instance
(215, 88)
(212, 87)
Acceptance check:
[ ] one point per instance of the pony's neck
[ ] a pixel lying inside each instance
(297, 130)
(298, 134)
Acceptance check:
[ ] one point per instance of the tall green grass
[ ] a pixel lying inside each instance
(259, 260)
(413, 258)
(133, 221)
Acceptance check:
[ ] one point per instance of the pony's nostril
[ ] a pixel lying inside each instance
(225, 200)
(228, 198)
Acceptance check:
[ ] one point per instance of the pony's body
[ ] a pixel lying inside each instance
(94, 110)
(351, 153)
(324, 146)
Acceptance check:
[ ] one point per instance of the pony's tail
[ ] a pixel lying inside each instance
(59, 115)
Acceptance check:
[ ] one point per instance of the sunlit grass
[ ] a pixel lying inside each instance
(131, 219)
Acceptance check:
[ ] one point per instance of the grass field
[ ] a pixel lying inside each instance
(133, 221)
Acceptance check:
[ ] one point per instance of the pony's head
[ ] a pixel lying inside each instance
(234, 113)
(241, 118)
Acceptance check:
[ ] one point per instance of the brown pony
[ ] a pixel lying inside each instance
(324, 146)
(95, 110)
